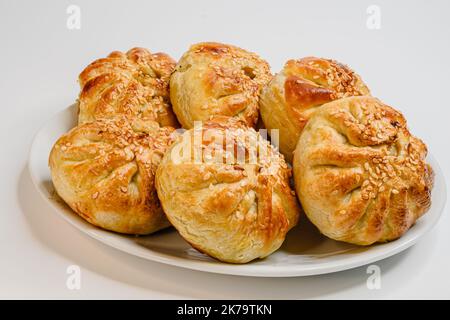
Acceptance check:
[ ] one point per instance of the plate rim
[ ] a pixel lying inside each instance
(241, 269)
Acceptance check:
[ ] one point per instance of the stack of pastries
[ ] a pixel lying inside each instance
(160, 144)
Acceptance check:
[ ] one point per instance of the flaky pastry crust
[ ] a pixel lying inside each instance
(134, 84)
(105, 170)
(217, 79)
(291, 97)
(360, 175)
(235, 211)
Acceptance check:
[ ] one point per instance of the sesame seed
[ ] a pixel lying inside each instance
(124, 189)
(95, 195)
(373, 174)
(206, 176)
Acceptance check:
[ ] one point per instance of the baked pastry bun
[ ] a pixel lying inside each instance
(134, 84)
(360, 175)
(293, 95)
(229, 200)
(105, 170)
(217, 79)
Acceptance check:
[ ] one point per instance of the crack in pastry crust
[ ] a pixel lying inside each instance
(360, 175)
(135, 83)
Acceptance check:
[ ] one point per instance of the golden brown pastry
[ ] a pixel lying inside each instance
(360, 175)
(292, 96)
(231, 200)
(134, 84)
(104, 170)
(217, 79)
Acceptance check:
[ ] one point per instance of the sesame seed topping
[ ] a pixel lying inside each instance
(207, 176)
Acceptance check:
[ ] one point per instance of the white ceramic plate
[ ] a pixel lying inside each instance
(305, 251)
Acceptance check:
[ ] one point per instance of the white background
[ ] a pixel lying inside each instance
(406, 64)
